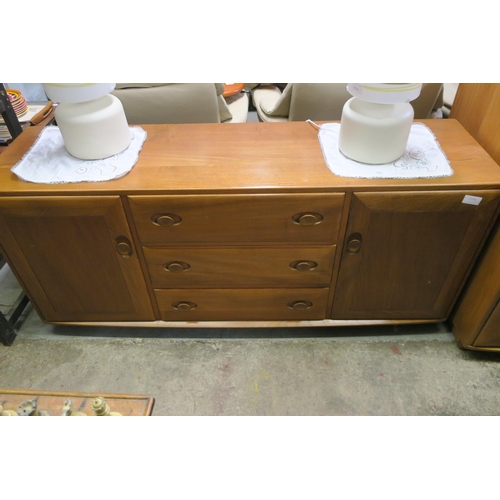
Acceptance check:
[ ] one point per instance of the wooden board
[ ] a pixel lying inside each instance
(476, 107)
(130, 405)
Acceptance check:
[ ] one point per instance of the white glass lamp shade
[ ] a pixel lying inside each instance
(385, 93)
(77, 92)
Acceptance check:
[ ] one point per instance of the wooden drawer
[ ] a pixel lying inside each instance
(248, 267)
(244, 305)
(258, 218)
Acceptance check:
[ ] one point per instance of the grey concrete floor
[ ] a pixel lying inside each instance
(377, 370)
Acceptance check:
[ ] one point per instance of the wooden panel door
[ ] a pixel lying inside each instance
(75, 257)
(406, 255)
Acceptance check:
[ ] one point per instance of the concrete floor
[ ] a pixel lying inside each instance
(405, 370)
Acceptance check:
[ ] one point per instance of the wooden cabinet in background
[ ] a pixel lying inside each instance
(476, 318)
(477, 108)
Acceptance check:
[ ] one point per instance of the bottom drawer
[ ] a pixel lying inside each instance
(244, 305)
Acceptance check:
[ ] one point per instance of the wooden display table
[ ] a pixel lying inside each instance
(231, 89)
(245, 225)
(130, 405)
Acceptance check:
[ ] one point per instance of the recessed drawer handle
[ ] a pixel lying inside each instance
(123, 246)
(166, 220)
(307, 218)
(304, 265)
(176, 267)
(354, 243)
(300, 305)
(184, 306)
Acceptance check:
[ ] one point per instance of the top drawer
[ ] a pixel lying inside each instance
(299, 218)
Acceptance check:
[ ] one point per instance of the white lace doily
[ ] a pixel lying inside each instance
(423, 157)
(48, 161)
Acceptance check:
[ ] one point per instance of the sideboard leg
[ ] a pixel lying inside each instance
(7, 322)
(7, 333)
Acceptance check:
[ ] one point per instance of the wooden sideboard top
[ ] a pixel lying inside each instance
(251, 158)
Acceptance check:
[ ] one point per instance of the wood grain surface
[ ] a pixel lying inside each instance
(476, 107)
(251, 157)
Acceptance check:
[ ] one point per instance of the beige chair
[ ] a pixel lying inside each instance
(324, 101)
(180, 103)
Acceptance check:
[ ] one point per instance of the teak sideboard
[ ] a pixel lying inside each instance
(245, 222)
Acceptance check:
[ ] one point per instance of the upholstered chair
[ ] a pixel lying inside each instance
(324, 101)
(180, 103)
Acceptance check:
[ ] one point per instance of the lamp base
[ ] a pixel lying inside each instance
(374, 133)
(94, 129)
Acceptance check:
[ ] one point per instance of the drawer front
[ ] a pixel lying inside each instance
(242, 305)
(248, 267)
(299, 218)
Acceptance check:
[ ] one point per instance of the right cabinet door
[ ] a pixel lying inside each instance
(406, 254)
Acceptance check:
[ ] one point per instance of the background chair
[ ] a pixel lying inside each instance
(324, 101)
(180, 103)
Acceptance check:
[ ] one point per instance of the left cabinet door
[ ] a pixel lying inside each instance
(75, 257)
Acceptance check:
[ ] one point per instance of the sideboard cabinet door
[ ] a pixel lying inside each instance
(406, 255)
(76, 257)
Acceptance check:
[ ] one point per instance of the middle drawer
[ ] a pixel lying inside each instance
(240, 267)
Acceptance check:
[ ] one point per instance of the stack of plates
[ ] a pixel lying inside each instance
(20, 107)
(18, 102)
